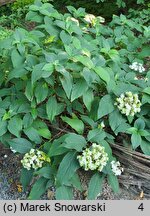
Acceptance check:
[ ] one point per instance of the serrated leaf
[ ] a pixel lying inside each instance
(44, 132)
(46, 172)
(41, 92)
(15, 126)
(106, 106)
(74, 141)
(95, 186)
(3, 127)
(51, 108)
(67, 168)
(86, 61)
(139, 124)
(26, 176)
(96, 135)
(75, 123)
(65, 37)
(16, 58)
(113, 182)
(88, 98)
(115, 119)
(147, 90)
(67, 83)
(37, 72)
(103, 74)
(20, 145)
(136, 140)
(64, 193)
(79, 88)
(38, 189)
(33, 135)
(145, 146)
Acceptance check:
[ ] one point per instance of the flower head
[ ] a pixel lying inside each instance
(91, 19)
(93, 158)
(116, 168)
(128, 104)
(34, 159)
(137, 67)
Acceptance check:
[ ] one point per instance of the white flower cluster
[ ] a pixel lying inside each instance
(128, 103)
(91, 19)
(34, 159)
(14, 151)
(116, 168)
(137, 67)
(93, 158)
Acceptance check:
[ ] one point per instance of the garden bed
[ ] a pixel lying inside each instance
(131, 187)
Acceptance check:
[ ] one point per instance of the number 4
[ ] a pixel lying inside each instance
(141, 207)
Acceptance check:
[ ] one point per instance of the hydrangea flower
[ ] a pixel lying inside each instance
(93, 158)
(91, 19)
(34, 159)
(128, 103)
(137, 67)
(116, 168)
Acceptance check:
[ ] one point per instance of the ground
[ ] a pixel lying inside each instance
(10, 187)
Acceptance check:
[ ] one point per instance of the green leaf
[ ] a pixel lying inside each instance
(33, 135)
(95, 186)
(41, 92)
(38, 189)
(65, 37)
(48, 68)
(3, 127)
(143, 133)
(56, 148)
(145, 146)
(51, 108)
(15, 126)
(132, 130)
(74, 141)
(16, 58)
(113, 182)
(44, 132)
(20, 145)
(27, 120)
(147, 90)
(88, 98)
(64, 193)
(67, 83)
(115, 119)
(79, 88)
(75, 182)
(139, 124)
(86, 61)
(46, 172)
(106, 106)
(96, 135)
(75, 123)
(37, 72)
(17, 73)
(135, 140)
(29, 91)
(26, 176)
(67, 168)
(103, 74)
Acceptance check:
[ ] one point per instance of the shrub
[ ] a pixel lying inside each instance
(59, 86)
